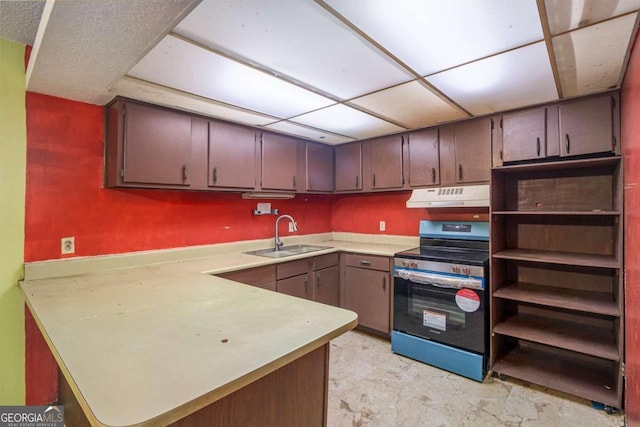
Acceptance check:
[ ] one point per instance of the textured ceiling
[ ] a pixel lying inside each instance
(19, 20)
(332, 70)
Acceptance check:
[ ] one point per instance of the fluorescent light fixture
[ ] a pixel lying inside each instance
(411, 104)
(275, 196)
(432, 36)
(184, 66)
(510, 80)
(590, 59)
(347, 121)
(300, 39)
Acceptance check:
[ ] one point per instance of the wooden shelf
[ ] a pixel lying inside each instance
(571, 299)
(592, 380)
(565, 258)
(559, 165)
(563, 213)
(594, 341)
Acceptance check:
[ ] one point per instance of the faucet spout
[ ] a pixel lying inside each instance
(278, 242)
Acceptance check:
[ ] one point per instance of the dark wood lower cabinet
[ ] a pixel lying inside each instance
(293, 396)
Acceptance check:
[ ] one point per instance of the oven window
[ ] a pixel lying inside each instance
(430, 303)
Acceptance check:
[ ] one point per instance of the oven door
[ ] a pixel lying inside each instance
(448, 309)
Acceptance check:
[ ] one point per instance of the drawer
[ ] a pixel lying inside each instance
(292, 268)
(325, 261)
(371, 262)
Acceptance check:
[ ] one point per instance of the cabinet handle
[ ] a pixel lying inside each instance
(384, 282)
(357, 181)
(567, 143)
(184, 172)
(433, 175)
(310, 183)
(318, 280)
(306, 284)
(374, 180)
(294, 182)
(501, 155)
(538, 146)
(365, 262)
(460, 172)
(215, 174)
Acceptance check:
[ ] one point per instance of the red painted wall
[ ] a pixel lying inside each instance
(65, 196)
(630, 108)
(362, 213)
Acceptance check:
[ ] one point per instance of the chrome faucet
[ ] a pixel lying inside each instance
(295, 228)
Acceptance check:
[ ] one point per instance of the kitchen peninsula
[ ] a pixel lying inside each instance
(172, 344)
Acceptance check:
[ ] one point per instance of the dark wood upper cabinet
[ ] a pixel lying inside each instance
(385, 155)
(318, 161)
(232, 156)
(279, 162)
(465, 152)
(154, 145)
(524, 135)
(423, 158)
(587, 126)
(348, 173)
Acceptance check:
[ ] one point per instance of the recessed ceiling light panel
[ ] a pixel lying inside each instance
(178, 64)
(565, 15)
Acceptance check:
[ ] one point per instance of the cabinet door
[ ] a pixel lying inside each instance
(348, 167)
(367, 293)
(524, 135)
(157, 146)
(386, 162)
(586, 126)
(473, 151)
(232, 156)
(297, 286)
(423, 148)
(319, 166)
(279, 162)
(327, 286)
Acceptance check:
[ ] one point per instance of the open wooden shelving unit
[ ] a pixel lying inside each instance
(557, 296)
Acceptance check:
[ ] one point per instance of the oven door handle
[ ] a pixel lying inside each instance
(439, 280)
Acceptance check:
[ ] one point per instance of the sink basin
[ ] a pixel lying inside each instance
(286, 251)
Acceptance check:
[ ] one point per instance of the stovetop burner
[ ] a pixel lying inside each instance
(442, 254)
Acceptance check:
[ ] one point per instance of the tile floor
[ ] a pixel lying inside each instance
(371, 386)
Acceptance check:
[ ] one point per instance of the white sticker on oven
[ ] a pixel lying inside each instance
(468, 300)
(434, 320)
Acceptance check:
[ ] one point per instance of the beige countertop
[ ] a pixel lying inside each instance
(150, 344)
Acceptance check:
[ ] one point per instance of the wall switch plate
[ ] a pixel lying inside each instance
(383, 226)
(67, 245)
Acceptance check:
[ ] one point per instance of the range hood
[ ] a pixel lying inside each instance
(448, 197)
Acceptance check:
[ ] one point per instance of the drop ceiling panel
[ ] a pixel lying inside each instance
(149, 92)
(184, 66)
(309, 133)
(431, 36)
(299, 39)
(565, 15)
(411, 104)
(510, 80)
(590, 59)
(347, 121)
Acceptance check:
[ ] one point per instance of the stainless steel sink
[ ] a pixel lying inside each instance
(286, 251)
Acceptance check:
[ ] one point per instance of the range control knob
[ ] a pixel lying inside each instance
(413, 264)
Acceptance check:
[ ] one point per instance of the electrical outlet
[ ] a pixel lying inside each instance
(383, 226)
(67, 245)
(291, 229)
